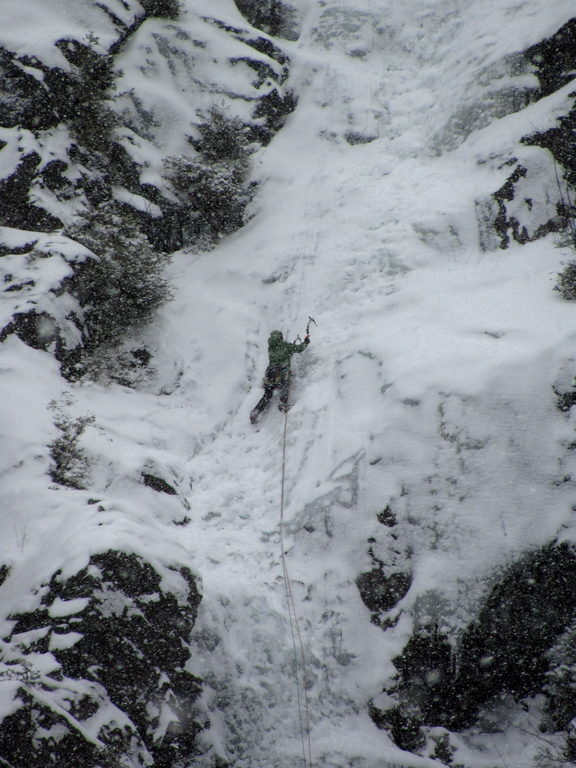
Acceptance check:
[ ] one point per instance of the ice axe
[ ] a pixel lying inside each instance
(310, 320)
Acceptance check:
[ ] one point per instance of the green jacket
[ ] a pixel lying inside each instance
(280, 351)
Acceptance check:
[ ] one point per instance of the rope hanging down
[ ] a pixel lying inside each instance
(297, 644)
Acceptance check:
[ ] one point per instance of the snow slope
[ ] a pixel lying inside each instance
(426, 389)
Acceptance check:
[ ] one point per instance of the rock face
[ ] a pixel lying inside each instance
(82, 126)
(98, 670)
(521, 645)
(518, 646)
(380, 592)
(531, 203)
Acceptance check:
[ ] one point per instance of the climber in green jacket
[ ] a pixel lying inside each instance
(277, 374)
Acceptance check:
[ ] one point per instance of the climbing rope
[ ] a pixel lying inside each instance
(297, 644)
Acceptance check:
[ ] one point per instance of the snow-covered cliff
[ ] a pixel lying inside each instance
(179, 180)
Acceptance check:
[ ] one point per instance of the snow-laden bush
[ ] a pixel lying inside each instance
(70, 464)
(165, 9)
(214, 195)
(277, 19)
(222, 138)
(213, 187)
(121, 287)
(566, 281)
(84, 94)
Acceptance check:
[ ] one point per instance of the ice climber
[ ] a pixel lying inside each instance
(277, 374)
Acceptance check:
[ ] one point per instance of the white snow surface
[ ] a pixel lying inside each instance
(427, 387)
(32, 27)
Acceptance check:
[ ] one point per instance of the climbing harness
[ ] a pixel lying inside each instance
(297, 644)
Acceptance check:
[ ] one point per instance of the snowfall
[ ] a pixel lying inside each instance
(427, 385)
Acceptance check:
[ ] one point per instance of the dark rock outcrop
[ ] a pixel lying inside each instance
(554, 59)
(512, 212)
(519, 211)
(158, 484)
(16, 210)
(506, 650)
(98, 670)
(380, 592)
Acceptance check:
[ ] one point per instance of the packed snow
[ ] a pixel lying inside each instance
(427, 385)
